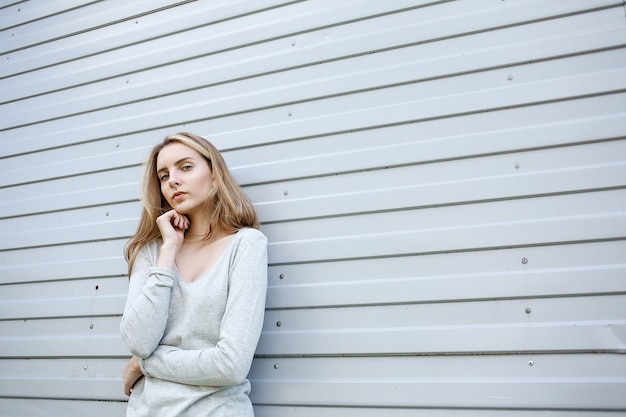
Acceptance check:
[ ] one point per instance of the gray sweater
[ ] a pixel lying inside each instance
(196, 340)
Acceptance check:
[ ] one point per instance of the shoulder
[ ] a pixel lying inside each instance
(251, 235)
(250, 240)
(150, 251)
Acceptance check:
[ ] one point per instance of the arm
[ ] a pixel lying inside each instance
(147, 307)
(228, 362)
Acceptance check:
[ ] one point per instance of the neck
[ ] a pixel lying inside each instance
(198, 228)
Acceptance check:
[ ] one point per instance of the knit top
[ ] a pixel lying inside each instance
(196, 340)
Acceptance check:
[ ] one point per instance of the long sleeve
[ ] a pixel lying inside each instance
(228, 361)
(147, 307)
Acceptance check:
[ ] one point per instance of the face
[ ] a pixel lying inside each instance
(185, 177)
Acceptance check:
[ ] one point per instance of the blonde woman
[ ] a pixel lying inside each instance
(198, 280)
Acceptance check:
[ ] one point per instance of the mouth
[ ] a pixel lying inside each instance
(178, 195)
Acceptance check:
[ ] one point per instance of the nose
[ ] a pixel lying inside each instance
(173, 180)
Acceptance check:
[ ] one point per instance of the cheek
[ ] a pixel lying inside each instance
(163, 193)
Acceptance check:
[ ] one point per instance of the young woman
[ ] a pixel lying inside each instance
(198, 280)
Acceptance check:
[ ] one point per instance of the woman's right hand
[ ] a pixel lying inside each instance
(172, 226)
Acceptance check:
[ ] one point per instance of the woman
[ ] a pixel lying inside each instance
(198, 280)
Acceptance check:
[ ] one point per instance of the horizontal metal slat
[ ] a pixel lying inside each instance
(91, 379)
(302, 410)
(179, 40)
(64, 388)
(72, 298)
(509, 130)
(603, 279)
(63, 262)
(24, 144)
(547, 125)
(104, 189)
(500, 394)
(548, 337)
(357, 111)
(571, 218)
(575, 35)
(18, 13)
(63, 307)
(481, 381)
(581, 269)
(342, 195)
(424, 195)
(33, 407)
(415, 317)
(73, 20)
(62, 338)
(488, 178)
(95, 337)
(65, 227)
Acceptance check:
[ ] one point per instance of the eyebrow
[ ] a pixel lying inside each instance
(180, 161)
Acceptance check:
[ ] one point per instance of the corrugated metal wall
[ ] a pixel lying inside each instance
(442, 184)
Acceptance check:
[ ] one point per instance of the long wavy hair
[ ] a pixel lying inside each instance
(227, 206)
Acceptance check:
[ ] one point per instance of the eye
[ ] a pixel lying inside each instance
(187, 167)
(164, 177)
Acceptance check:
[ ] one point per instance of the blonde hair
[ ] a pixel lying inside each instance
(227, 206)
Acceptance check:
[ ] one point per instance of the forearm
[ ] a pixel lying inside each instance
(217, 366)
(147, 310)
(144, 320)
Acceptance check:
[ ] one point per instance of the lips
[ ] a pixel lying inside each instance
(178, 195)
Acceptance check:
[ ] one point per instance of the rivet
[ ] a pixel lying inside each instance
(293, 44)
(281, 276)
(531, 363)
(516, 166)
(85, 367)
(290, 114)
(524, 261)
(278, 324)
(107, 213)
(510, 77)
(527, 310)
(286, 192)
(275, 366)
(91, 326)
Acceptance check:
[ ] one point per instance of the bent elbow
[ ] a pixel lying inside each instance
(232, 369)
(136, 347)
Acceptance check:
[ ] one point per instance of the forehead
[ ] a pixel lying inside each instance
(175, 152)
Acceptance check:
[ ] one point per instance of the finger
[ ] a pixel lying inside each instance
(181, 221)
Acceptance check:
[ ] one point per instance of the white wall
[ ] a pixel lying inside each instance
(442, 184)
